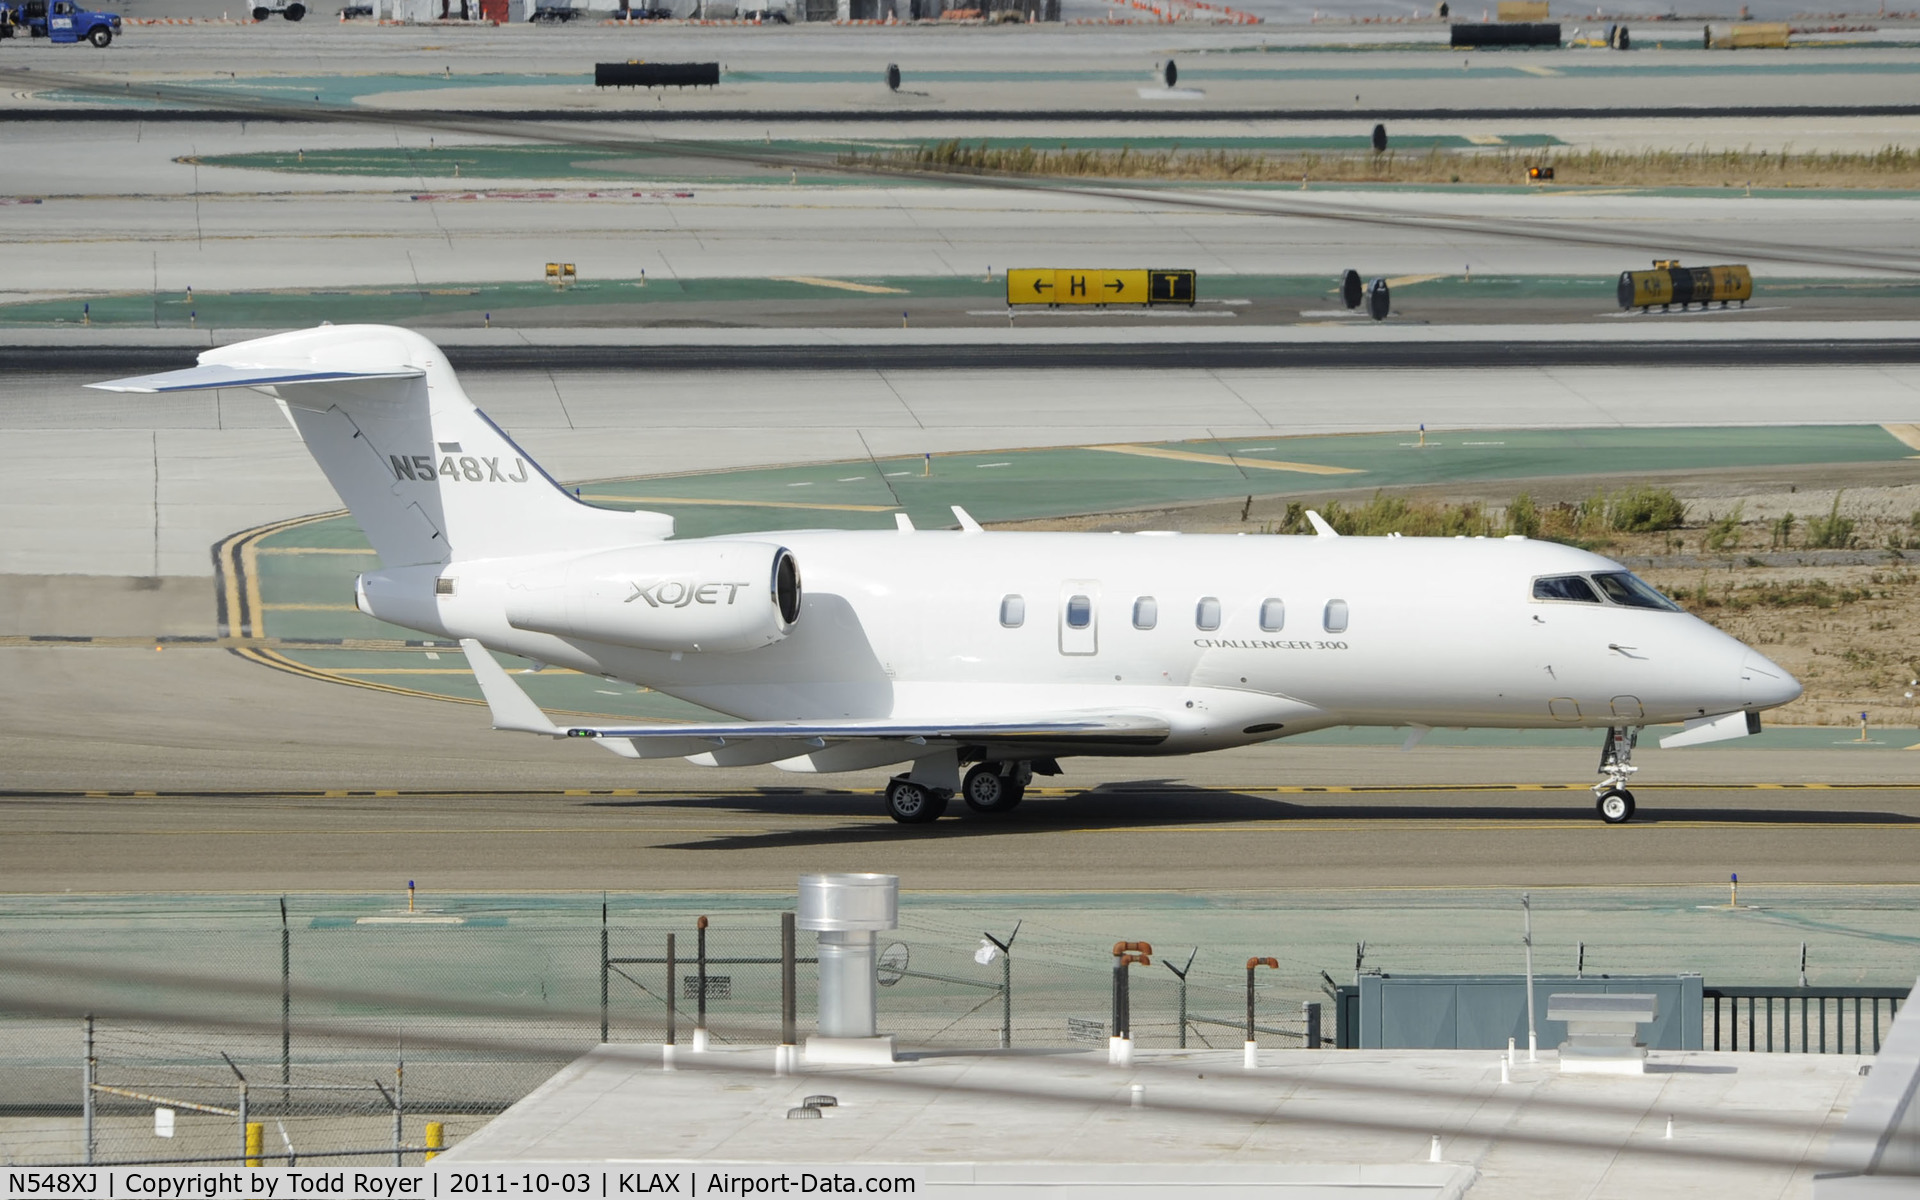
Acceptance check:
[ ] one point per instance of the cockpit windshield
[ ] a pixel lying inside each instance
(1624, 587)
(1565, 587)
(1621, 587)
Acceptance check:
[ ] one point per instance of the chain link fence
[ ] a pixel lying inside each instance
(341, 1028)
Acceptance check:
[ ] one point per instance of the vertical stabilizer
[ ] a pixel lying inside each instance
(429, 477)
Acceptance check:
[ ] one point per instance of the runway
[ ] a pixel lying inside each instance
(1159, 835)
(267, 782)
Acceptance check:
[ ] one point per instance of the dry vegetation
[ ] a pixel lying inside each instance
(1889, 167)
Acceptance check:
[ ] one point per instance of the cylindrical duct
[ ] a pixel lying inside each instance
(849, 990)
(846, 911)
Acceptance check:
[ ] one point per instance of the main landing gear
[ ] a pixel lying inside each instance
(1611, 796)
(995, 787)
(990, 787)
(913, 803)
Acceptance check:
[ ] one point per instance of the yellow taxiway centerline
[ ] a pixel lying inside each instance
(1226, 460)
(843, 285)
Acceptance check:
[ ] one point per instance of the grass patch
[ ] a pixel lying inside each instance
(1587, 524)
(1894, 167)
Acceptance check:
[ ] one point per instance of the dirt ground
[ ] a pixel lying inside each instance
(1845, 619)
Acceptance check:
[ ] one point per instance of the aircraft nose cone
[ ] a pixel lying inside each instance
(1765, 683)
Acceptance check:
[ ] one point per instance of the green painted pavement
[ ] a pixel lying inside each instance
(349, 89)
(1008, 486)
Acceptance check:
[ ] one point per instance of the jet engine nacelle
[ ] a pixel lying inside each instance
(707, 596)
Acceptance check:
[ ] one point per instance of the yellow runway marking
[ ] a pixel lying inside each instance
(1543, 72)
(876, 508)
(1225, 460)
(1410, 280)
(841, 284)
(365, 553)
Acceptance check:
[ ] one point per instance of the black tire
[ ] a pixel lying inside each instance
(295, 12)
(101, 36)
(986, 790)
(914, 804)
(1615, 806)
(262, 12)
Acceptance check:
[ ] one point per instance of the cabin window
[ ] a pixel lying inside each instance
(1624, 587)
(1334, 620)
(1206, 614)
(1079, 612)
(1013, 611)
(1146, 612)
(1565, 587)
(1273, 615)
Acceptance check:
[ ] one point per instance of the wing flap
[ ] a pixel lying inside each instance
(513, 709)
(1104, 728)
(209, 376)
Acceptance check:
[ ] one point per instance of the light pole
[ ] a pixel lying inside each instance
(1526, 937)
(1125, 954)
(1251, 1058)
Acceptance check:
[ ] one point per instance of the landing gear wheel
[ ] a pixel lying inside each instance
(915, 804)
(1616, 806)
(261, 12)
(295, 12)
(986, 790)
(101, 37)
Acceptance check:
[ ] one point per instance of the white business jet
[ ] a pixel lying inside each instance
(992, 654)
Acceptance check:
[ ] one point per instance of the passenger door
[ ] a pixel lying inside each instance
(1080, 616)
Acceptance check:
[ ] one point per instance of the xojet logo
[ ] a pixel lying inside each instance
(678, 593)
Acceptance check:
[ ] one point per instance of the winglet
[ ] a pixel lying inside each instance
(1320, 525)
(512, 708)
(967, 523)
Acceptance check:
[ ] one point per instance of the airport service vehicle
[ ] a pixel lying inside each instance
(976, 659)
(293, 11)
(59, 21)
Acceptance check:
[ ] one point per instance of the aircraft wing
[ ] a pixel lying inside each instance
(209, 376)
(513, 709)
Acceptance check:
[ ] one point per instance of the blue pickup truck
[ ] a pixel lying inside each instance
(59, 21)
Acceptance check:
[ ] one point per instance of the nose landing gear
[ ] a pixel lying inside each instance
(1611, 797)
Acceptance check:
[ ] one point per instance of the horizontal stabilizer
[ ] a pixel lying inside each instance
(1701, 730)
(209, 376)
